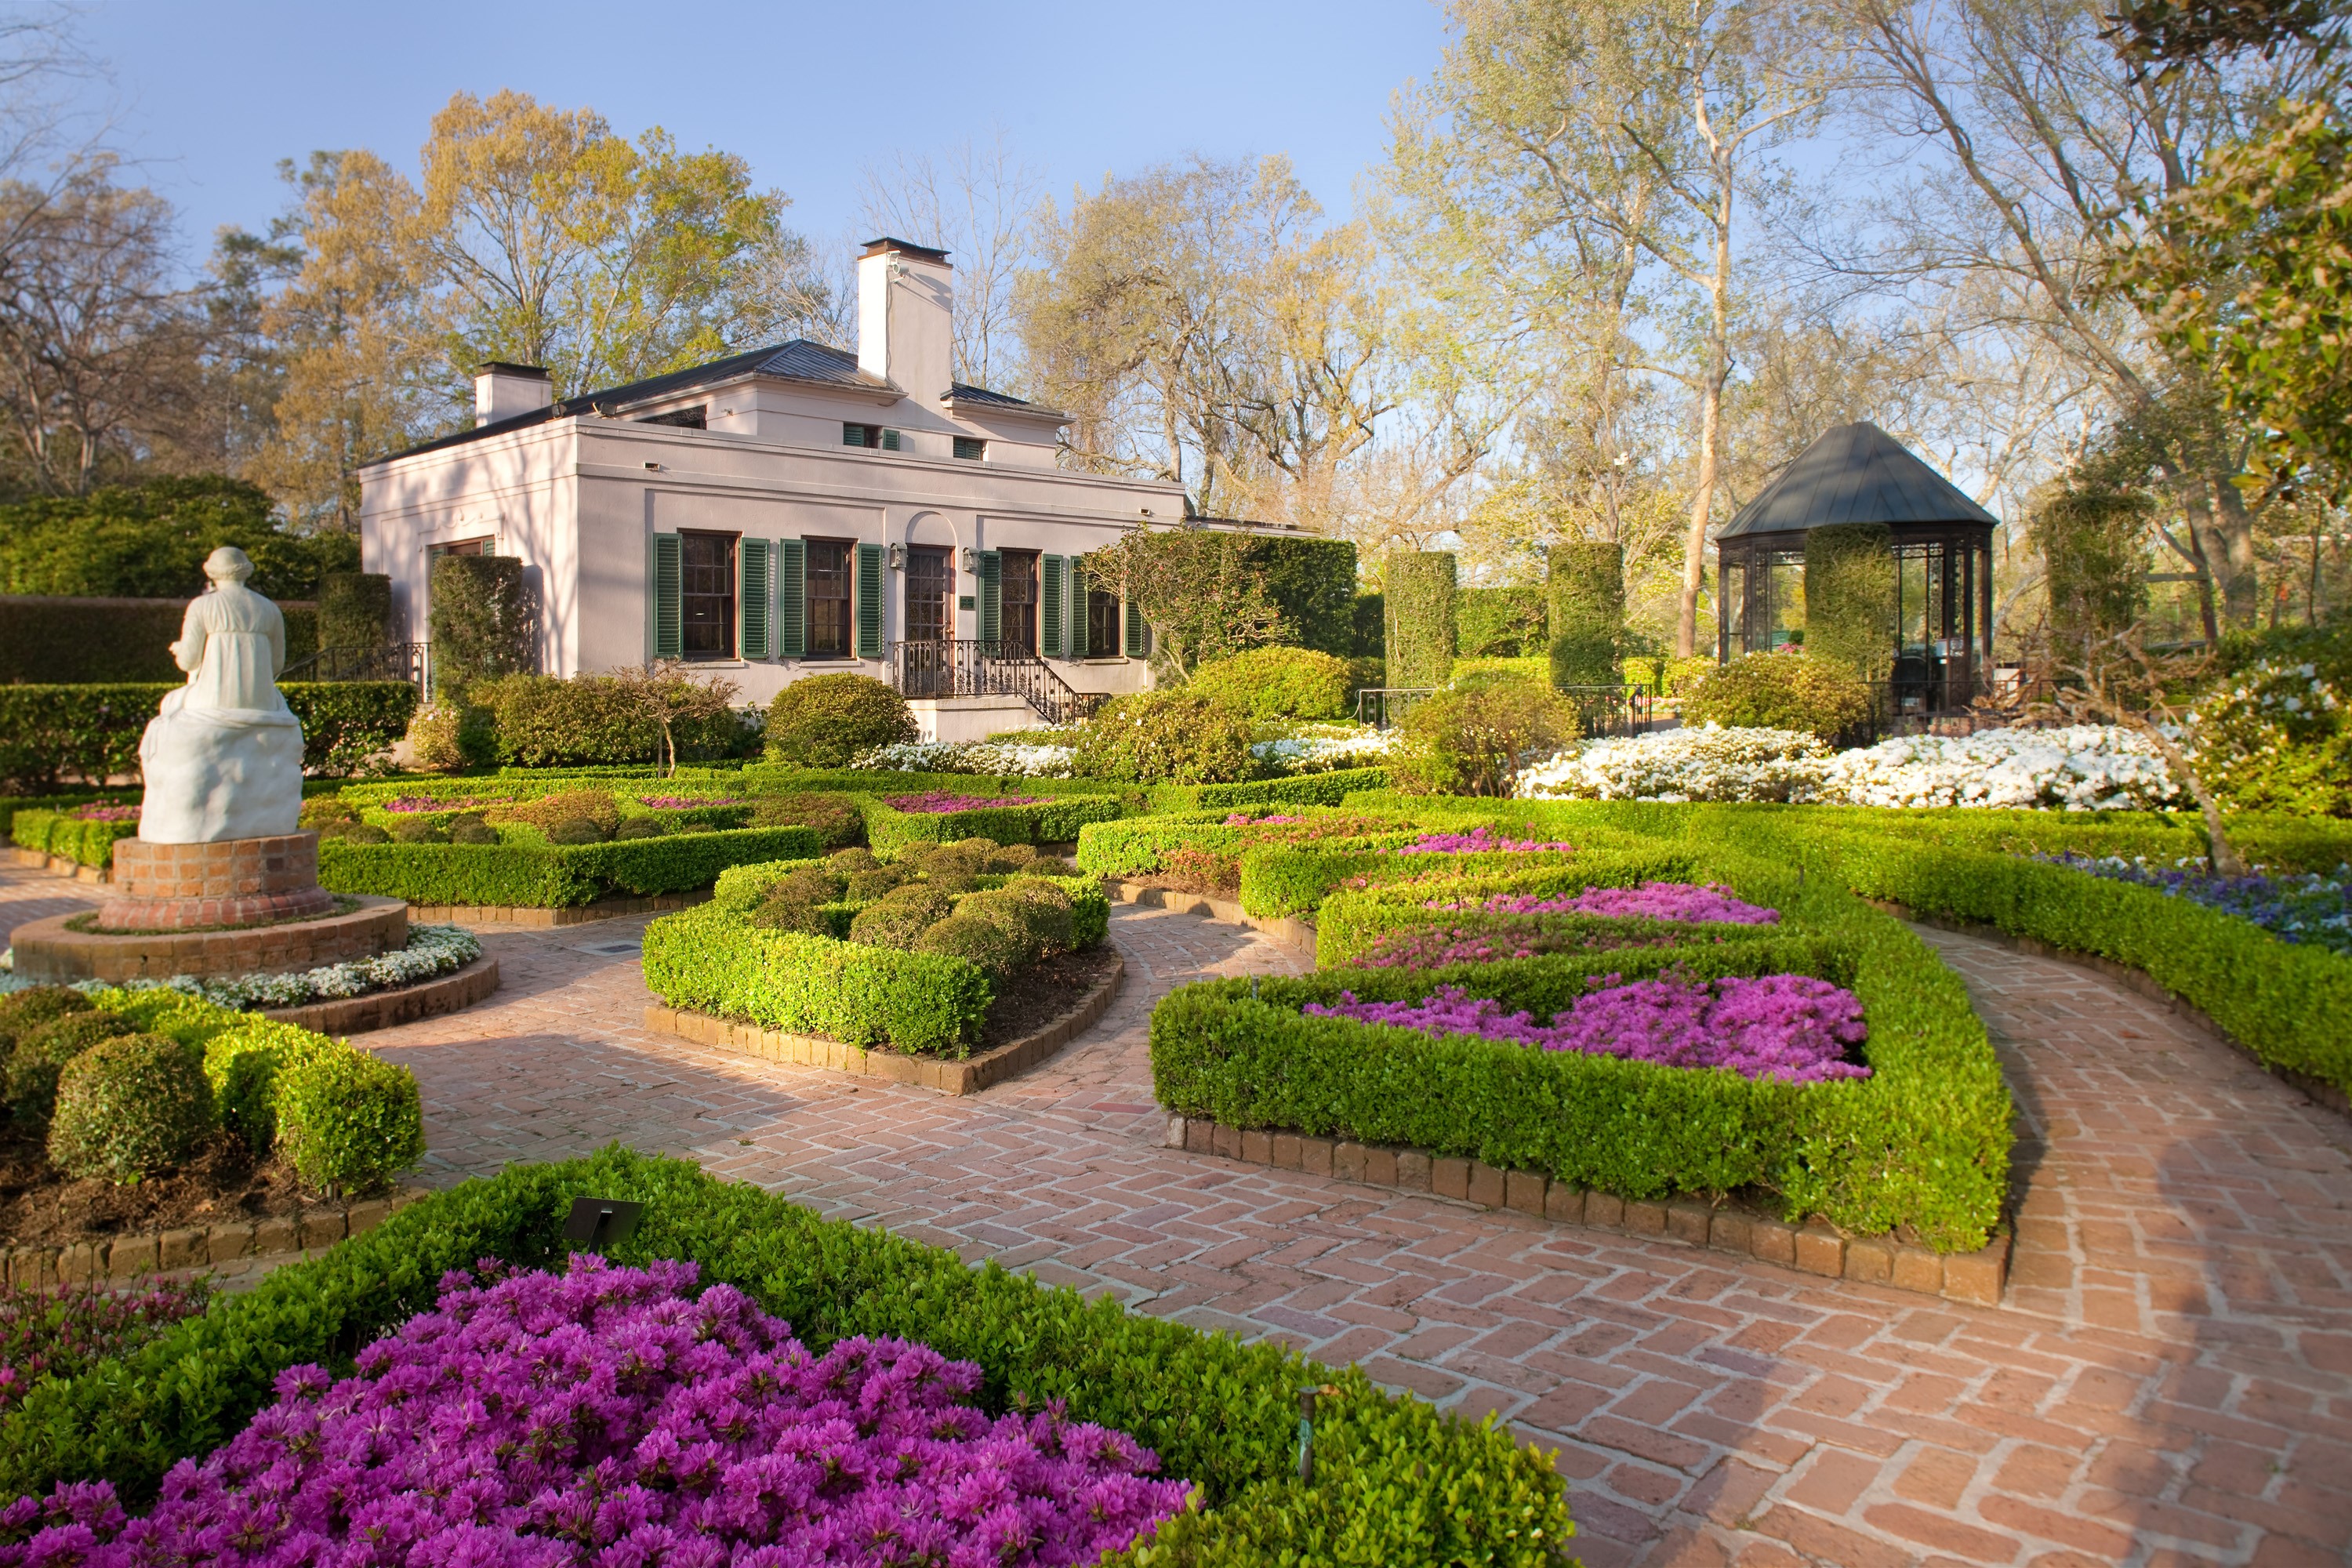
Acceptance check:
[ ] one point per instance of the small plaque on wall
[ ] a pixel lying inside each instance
(966, 602)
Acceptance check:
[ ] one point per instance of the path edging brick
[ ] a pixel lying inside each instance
(126, 1257)
(449, 993)
(1813, 1247)
(60, 865)
(969, 1076)
(1295, 934)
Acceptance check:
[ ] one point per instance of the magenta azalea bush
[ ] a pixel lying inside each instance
(1788, 1026)
(1243, 819)
(933, 802)
(1684, 902)
(680, 802)
(1472, 842)
(59, 1335)
(609, 1417)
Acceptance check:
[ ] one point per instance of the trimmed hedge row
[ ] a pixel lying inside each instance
(889, 830)
(2289, 844)
(1922, 1142)
(533, 876)
(1301, 789)
(10, 804)
(1348, 922)
(49, 733)
(60, 833)
(345, 1119)
(1394, 1480)
(741, 888)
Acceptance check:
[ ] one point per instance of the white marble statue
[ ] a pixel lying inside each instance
(223, 758)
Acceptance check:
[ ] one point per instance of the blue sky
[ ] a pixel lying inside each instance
(207, 97)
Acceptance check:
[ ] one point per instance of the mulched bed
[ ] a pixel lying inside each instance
(41, 1206)
(1035, 996)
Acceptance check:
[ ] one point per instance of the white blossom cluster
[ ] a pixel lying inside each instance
(1710, 764)
(1320, 748)
(432, 950)
(994, 757)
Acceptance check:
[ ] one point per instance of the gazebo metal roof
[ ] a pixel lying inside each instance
(1856, 473)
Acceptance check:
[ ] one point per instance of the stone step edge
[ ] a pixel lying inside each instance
(1295, 934)
(536, 916)
(1977, 1277)
(969, 1076)
(124, 1259)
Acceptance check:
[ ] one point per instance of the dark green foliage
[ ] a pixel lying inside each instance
(574, 830)
(823, 720)
(82, 642)
(1312, 583)
(591, 720)
(901, 918)
(2093, 537)
(1395, 1482)
(1849, 597)
(49, 733)
(1474, 736)
(1585, 590)
(474, 830)
(354, 609)
(70, 837)
(421, 830)
(1165, 737)
(1303, 789)
(838, 820)
(42, 1051)
(641, 827)
(481, 620)
(1500, 623)
(131, 1107)
(38, 1004)
(1367, 621)
(1275, 682)
(892, 832)
(994, 946)
(797, 901)
(150, 541)
(1781, 690)
(552, 877)
(1417, 590)
(347, 1120)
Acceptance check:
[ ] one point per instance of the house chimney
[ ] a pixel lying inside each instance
(904, 333)
(501, 391)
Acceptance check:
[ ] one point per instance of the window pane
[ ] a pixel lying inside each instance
(1019, 589)
(828, 596)
(930, 580)
(707, 596)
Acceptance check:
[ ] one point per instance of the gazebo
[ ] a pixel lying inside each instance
(1943, 553)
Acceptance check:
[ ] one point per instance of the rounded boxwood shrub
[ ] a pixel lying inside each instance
(472, 830)
(1779, 691)
(1046, 908)
(348, 1122)
(1165, 737)
(596, 805)
(42, 1053)
(899, 922)
(1276, 683)
(793, 900)
(37, 1005)
(354, 833)
(419, 830)
(641, 827)
(1474, 737)
(825, 720)
(837, 821)
(130, 1107)
(997, 945)
(573, 830)
(871, 882)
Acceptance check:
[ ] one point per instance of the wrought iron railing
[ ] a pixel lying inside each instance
(1382, 706)
(977, 666)
(1600, 709)
(392, 661)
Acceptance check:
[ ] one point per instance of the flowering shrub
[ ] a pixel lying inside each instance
(2277, 739)
(1478, 840)
(1243, 819)
(607, 1417)
(59, 1335)
(1707, 764)
(404, 804)
(2080, 767)
(1683, 902)
(997, 758)
(1790, 1027)
(432, 950)
(684, 802)
(935, 801)
(105, 813)
(1320, 748)
(2309, 908)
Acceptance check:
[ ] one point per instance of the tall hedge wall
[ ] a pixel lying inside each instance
(1418, 590)
(90, 733)
(1850, 597)
(1313, 583)
(150, 541)
(480, 619)
(1498, 623)
(45, 640)
(354, 609)
(1368, 624)
(1586, 589)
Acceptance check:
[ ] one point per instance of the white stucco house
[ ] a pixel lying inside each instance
(790, 511)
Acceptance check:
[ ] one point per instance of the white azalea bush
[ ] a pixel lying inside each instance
(2277, 737)
(1315, 748)
(1003, 758)
(2080, 767)
(432, 951)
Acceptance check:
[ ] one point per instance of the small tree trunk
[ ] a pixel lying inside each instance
(2220, 851)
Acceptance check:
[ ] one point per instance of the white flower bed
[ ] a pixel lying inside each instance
(1320, 748)
(2084, 767)
(431, 951)
(999, 757)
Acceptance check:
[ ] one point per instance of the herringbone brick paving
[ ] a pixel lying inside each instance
(2170, 1380)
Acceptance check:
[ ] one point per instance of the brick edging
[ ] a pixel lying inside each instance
(2137, 981)
(126, 1257)
(969, 1076)
(1814, 1247)
(534, 916)
(1295, 934)
(450, 993)
(60, 865)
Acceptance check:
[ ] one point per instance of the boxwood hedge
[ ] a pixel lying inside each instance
(549, 876)
(1301, 789)
(889, 830)
(1394, 1480)
(70, 837)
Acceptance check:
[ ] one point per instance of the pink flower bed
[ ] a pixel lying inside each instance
(1477, 840)
(936, 801)
(1243, 819)
(680, 802)
(105, 813)
(410, 802)
(607, 1417)
(1788, 1026)
(1686, 902)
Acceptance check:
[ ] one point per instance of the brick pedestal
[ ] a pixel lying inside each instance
(231, 882)
(51, 950)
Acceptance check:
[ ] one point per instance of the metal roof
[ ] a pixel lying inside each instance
(1854, 473)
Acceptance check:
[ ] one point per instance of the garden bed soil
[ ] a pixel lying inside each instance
(40, 1205)
(1032, 998)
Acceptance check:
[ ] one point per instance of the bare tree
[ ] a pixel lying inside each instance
(975, 204)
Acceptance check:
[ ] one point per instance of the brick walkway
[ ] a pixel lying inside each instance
(2168, 1382)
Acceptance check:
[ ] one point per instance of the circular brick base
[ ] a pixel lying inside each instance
(47, 951)
(228, 882)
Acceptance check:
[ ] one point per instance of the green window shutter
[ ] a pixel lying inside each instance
(1137, 635)
(1049, 609)
(869, 601)
(670, 606)
(751, 597)
(791, 598)
(992, 595)
(889, 440)
(1077, 611)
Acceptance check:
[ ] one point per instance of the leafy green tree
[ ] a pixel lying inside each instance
(150, 541)
(1195, 589)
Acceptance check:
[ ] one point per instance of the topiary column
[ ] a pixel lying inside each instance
(354, 609)
(1586, 586)
(1417, 590)
(1849, 597)
(480, 620)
